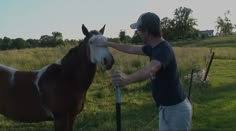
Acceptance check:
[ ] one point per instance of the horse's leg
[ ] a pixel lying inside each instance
(64, 123)
(60, 123)
(71, 119)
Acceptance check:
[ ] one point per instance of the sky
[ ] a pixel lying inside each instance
(34, 18)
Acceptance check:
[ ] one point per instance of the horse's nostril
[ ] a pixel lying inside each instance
(112, 61)
(104, 61)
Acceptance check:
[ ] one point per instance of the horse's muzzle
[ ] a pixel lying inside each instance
(108, 62)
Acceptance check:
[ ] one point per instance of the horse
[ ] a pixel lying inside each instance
(56, 92)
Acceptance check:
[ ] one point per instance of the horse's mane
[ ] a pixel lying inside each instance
(76, 55)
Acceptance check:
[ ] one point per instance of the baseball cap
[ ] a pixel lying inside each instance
(147, 18)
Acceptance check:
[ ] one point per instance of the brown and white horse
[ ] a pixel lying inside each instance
(57, 91)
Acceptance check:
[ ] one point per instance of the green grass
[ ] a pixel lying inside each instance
(214, 102)
(228, 41)
(32, 59)
(215, 107)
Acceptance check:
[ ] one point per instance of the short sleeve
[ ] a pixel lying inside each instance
(147, 50)
(163, 54)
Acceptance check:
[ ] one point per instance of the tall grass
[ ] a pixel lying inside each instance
(137, 107)
(32, 59)
(229, 41)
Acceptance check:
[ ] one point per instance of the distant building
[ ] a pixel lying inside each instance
(206, 33)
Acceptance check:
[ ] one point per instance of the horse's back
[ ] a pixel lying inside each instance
(6, 76)
(19, 97)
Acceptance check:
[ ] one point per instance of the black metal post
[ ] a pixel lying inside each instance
(118, 114)
(190, 84)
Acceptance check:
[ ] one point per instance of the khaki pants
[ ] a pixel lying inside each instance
(176, 117)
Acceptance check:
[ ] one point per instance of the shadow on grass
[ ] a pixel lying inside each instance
(142, 117)
(134, 115)
(215, 107)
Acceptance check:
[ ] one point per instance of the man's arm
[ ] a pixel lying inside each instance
(130, 49)
(145, 73)
(120, 79)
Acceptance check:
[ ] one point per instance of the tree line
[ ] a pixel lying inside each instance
(56, 39)
(181, 27)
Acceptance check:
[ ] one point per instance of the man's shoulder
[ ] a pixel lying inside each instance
(162, 47)
(163, 44)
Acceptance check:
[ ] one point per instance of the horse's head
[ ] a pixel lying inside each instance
(98, 54)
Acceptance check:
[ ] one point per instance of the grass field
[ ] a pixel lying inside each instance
(215, 108)
(214, 102)
(228, 41)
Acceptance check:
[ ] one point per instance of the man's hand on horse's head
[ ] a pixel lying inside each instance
(98, 40)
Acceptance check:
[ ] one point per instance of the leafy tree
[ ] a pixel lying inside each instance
(117, 40)
(136, 38)
(71, 42)
(57, 35)
(19, 43)
(51, 41)
(57, 39)
(45, 40)
(6, 43)
(123, 37)
(6, 40)
(33, 42)
(184, 23)
(168, 28)
(181, 26)
(224, 26)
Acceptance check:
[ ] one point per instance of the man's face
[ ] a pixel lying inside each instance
(143, 35)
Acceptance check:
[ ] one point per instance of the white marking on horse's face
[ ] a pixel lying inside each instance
(100, 54)
(12, 72)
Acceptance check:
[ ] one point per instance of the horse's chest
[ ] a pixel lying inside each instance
(66, 101)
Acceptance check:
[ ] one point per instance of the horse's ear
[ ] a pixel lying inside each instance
(102, 30)
(85, 30)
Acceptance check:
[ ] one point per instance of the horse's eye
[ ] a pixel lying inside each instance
(90, 42)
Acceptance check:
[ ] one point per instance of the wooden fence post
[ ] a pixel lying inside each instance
(208, 66)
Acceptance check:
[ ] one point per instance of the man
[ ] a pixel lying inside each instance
(175, 110)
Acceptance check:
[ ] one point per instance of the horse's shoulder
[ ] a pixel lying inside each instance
(4, 67)
(54, 70)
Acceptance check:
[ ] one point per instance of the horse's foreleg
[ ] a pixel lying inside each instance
(60, 123)
(70, 121)
(64, 123)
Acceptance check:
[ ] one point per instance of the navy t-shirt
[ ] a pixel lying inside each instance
(166, 87)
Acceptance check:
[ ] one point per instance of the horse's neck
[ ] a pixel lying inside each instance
(80, 65)
(69, 60)
(86, 69)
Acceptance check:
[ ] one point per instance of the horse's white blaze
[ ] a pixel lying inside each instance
(98, 53)
(12, 72)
